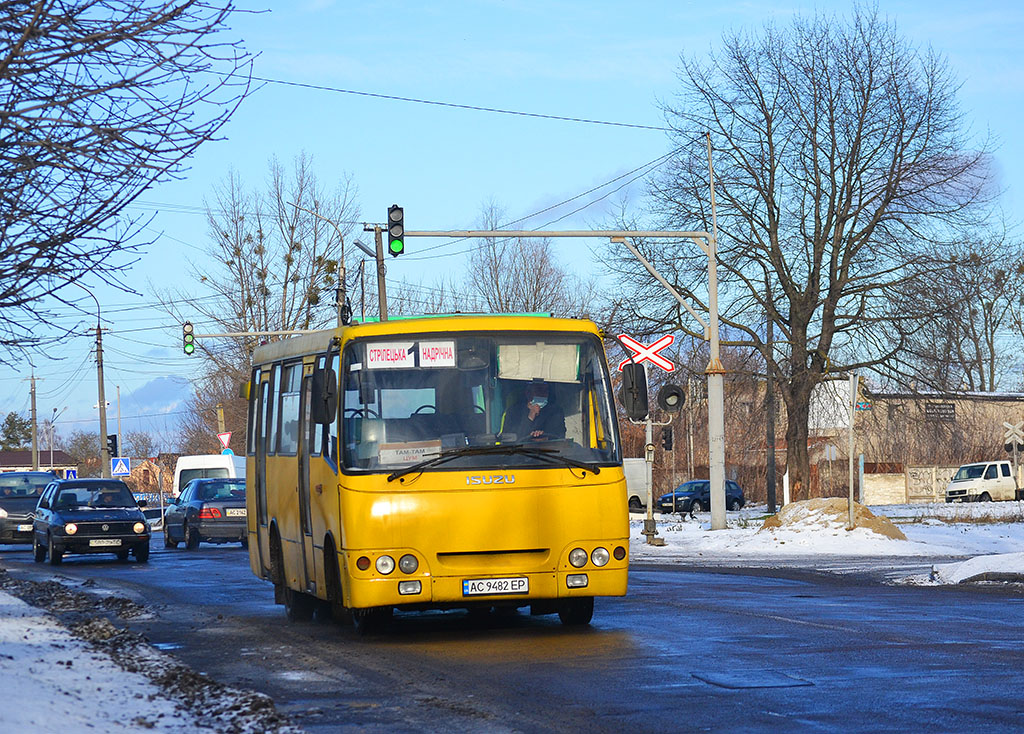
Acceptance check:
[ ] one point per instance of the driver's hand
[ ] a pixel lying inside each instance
(537, 434)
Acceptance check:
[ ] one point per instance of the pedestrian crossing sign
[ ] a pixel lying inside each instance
(120, 466)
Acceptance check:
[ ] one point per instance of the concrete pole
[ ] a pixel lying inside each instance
(716, 375)
(104, 450)
(120, 443)
(382, 294)
(853, 409)
(35, 429)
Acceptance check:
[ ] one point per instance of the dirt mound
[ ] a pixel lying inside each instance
(829, 512)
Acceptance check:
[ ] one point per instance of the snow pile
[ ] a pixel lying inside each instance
(830, 513)
(1001, 567)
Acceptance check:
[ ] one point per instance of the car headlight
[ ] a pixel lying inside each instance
(139, 527)
(408, 563)
(578, 557)
(385, 564)
(70, 528)
(600, 556)
(3, 513)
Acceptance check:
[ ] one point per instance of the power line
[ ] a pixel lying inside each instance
(455, 105)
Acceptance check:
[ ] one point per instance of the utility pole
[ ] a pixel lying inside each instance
(35, 429)
(102, 405)
(769, 400)
(382, 294)
(120, 442)
(220, 418)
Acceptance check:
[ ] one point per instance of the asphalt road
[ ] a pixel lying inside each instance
(685, 651)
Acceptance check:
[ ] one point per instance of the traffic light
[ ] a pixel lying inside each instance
(188, 339)
(112, 444)
(396, 230)
(666, 438)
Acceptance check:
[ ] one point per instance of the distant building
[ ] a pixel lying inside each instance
(21, 460)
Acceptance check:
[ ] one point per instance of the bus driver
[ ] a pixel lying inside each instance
(536, 418)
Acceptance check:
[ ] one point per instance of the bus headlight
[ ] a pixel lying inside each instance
(578, 557)
(600, 556)
(385, 564)
(139, 527)
(70, 528)
(408, 563)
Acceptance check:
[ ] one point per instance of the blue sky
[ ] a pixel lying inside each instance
(608, 61)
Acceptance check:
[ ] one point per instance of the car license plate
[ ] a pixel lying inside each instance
(24, 528)
(483, 587)
(235, 512)
(99, 542)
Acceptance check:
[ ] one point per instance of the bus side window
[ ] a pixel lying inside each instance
(272, 419)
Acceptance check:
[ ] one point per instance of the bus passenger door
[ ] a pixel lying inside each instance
(262, 417)
(305, 521)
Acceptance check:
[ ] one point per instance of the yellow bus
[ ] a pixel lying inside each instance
(467, 461)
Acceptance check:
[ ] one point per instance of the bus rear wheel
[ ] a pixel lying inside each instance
(576, 612)
(298, 607)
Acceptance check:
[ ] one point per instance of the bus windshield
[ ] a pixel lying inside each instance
(405, 400)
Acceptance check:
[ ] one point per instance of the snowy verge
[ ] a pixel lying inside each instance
(93, 674)
(816, 537)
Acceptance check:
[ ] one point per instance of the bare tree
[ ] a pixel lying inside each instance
(270, 265)
(139, 445)
(520, 274)
(84, 449)
(101, 99)
(975, 346)
(842, 172)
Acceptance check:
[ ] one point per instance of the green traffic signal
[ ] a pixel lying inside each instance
(188, 337)
(396, 230)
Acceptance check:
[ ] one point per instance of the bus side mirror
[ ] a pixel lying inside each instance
(325, 396)
(633, 394)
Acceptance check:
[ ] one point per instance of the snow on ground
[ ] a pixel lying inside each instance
(816, 539)
(54, 681)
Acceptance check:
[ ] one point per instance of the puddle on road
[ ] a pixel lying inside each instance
(167, 645)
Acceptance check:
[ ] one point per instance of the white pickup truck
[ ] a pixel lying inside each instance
(982, 481)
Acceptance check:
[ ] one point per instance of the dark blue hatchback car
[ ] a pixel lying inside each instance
(695, 496)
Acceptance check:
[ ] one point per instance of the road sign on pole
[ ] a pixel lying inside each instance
(120, 466)
(642, 352)
(225, 438)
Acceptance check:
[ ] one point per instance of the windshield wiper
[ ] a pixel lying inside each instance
(514, 449)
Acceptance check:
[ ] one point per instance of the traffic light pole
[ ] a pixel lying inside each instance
(715, 372)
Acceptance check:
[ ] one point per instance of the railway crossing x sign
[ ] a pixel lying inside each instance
(1014, 432)
(650, 354)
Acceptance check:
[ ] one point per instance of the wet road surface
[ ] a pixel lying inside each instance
(684, 651)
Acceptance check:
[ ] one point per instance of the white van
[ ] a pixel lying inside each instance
(207, 466)
(636, 483)
(982, 482)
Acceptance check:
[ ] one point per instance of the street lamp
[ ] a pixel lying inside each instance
(343, 317)
(102, 404)
(53, 430)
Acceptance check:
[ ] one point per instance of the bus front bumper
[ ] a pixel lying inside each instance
(506, 588)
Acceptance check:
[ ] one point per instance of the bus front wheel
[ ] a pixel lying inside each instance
(576, 612)
(369, 621)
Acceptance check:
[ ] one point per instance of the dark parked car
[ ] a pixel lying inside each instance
(19, 494)
(695, 496)
(89, 516)
(211, 510)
